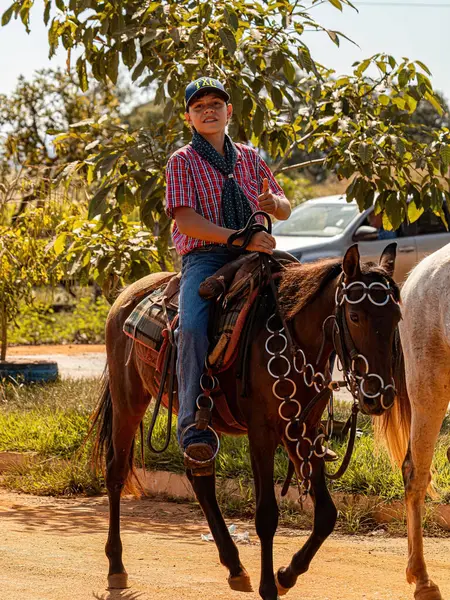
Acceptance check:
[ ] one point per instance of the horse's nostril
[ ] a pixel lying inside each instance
(371, 386)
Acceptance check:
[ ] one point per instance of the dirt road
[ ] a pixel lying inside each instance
(52, 549)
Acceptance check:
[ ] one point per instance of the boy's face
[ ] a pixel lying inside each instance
(209, 114)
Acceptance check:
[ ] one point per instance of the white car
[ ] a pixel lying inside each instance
(326, 227)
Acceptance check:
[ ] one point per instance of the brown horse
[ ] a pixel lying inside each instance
(308, 295)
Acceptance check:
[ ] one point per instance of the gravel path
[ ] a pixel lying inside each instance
(53, 549)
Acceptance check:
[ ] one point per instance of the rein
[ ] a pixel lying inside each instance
(168, 369)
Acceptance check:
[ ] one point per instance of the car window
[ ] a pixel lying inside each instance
(429, 223)
(317, 220)
(376, 221)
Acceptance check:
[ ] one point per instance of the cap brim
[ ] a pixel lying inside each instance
(206, 88)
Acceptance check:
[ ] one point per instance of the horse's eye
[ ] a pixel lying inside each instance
(354, 317)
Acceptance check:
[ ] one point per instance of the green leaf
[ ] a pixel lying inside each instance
(305, 59)
(231, 18)
(365, 152)
(413, 212)
(423, 67)
(258, 121)
(82, 74)
(403, 78)
(228, 39)
(400, 147)
(60, 244)
(148, 37)
(434, 102)
(148, 187)
(247, 106)
(129, 55)
(60, 4)
(383, 99)
(146, 215)
(394, 212)
(194, 38)
(48, 6)
(168, 110)
(236, 100)
(333, 36)
(436, 199)
(205, 12)
(289, 70)
(444, 153)
(125, 198)
(6, 17)
(362, 67)
(112, 68)
(98, 204)
(108, 163)
(336, 4)
(172, 84)
(174, 33)
(399, 103)
(277, 97)
(139, 69)
(277, 60)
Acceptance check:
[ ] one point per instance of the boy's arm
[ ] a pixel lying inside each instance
(278, 206)
(192, 224)
(272, 198)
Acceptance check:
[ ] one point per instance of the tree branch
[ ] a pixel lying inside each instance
(291, 148)
(308, 163)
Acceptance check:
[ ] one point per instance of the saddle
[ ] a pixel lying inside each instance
(232, 290)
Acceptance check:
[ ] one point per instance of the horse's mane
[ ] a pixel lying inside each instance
(300, 284)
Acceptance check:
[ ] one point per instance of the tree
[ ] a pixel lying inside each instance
(359, 123)
(30, 116)
(24, 264)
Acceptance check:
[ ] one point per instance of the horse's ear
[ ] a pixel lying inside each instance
(387, 259)
(350, 264)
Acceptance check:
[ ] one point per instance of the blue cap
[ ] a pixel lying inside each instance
(203, 84)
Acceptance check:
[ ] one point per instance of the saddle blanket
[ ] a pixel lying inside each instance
(147, 325)
(147, 321)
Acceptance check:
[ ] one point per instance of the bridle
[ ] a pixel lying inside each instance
(355, 293)
(290, 409)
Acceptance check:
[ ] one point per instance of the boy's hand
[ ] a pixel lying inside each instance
(262, 242)
(267, 201)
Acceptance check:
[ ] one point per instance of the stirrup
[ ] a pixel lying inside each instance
(200, 467)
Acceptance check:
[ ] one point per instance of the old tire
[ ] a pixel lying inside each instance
(29, 371)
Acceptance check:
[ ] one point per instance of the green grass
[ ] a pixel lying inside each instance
(53, 420)
(82, 322)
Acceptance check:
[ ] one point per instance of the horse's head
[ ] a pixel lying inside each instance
(368, 313)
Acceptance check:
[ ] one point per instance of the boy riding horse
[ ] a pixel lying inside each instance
(213, 187)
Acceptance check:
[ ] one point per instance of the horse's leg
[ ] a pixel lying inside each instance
(262, 452)
(128, 404)
(325, 515)
(205, 490)
(429, 403)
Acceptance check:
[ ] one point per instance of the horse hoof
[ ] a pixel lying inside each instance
(118, 581)
(240, 583)
(427, 591)
(282, 591)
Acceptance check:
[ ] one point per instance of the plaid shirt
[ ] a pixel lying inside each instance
(193, 182)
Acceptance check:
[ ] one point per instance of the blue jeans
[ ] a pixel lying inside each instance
(192, 336)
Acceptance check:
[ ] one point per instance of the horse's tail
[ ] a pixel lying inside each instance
(102, 422)
(395, 424)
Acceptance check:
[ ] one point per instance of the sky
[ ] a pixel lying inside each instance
(417, 29)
